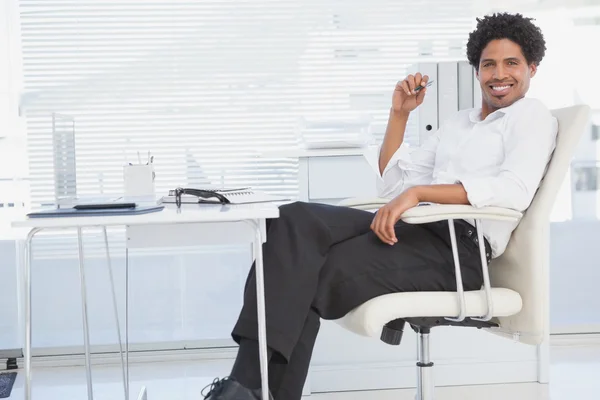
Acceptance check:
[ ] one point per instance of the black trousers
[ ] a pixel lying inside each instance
(322, 261)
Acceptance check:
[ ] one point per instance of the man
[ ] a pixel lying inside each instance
(323, 261)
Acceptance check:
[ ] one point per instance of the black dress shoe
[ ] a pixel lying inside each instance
(230, 389)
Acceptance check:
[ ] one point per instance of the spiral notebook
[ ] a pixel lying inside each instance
(235, 196)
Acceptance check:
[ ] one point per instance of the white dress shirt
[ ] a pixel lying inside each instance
(500, 161)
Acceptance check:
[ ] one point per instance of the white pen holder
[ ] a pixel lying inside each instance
(139, 180)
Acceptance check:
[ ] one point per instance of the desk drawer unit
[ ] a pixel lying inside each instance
(340, 177)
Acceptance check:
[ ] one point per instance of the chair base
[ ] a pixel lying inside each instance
(394, 330)
(392, 334)
(425, 383)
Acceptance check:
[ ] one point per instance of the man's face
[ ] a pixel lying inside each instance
(503, 74)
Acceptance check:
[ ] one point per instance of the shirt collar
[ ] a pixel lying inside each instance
(475, 114)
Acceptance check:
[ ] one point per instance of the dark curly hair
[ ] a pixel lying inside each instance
(514, 27)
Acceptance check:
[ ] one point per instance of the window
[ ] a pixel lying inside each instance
(595, 132)
(585, 178)
(206, 87)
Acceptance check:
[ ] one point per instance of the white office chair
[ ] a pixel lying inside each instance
(514, 299)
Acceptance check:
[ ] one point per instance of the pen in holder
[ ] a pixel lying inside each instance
(139, 180)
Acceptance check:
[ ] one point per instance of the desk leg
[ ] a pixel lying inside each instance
(127, 316)
(116, 311)
(86, 330)
(28, 256)
(260, 300)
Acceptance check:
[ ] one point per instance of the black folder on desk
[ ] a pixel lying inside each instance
(72, 212)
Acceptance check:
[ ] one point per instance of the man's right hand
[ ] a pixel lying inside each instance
(405, 99)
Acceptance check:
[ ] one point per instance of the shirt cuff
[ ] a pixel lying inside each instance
(400, 158)
(479, 191)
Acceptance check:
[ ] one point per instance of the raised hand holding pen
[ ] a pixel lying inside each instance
(410, 93)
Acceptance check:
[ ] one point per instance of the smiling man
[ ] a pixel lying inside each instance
(505, 64)
(322, 261)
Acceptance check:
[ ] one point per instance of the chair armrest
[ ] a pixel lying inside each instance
(442, 212)
(364, 203)
(437, 212)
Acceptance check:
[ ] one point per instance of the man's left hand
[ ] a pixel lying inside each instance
(388, 215)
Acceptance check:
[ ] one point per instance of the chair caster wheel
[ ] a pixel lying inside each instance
(392, 332)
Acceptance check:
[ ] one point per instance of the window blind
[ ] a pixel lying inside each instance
(205, 86)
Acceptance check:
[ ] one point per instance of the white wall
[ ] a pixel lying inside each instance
(574, 276)
(9, 333)
(8, 292)
(13, 162)
(4, 65)
(9, 85)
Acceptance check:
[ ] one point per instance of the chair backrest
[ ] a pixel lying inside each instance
(524, 266)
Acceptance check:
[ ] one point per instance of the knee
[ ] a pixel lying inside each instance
(292, 210)
(287, 213)
(299, 216)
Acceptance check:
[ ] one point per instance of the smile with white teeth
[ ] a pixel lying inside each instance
(500, 89)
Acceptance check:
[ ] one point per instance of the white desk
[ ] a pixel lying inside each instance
(254, 215)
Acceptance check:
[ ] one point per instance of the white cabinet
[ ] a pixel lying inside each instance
(339, 177)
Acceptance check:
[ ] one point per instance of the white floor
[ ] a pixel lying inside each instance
(575, 374)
